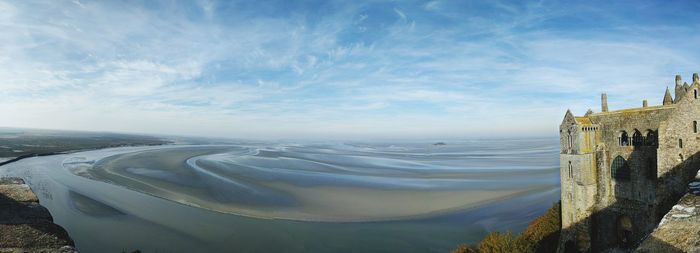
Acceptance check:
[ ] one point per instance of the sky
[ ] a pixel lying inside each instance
(336, 69)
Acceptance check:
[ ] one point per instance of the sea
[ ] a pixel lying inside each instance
(290, 196)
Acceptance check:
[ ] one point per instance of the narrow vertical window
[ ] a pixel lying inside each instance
(571, 170)
(695, 126)
(570, 141)
(680, 143)
(695, 92)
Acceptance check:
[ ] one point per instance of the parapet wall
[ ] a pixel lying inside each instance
(26, 226)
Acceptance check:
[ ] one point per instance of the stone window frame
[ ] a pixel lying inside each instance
(650, 138)
(620, 170)
(623, 138)
(637, 138)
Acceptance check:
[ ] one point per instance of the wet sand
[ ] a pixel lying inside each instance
(418, 201)
(179, 174)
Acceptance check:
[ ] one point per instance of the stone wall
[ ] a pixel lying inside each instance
(678, 128)
(602, 213)
(679, 230)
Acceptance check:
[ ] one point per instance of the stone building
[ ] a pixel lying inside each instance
(622, 170)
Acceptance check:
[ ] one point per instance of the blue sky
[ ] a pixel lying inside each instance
(335, 69)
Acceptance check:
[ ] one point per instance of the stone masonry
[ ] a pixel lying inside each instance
(623, 170)
(679, 230)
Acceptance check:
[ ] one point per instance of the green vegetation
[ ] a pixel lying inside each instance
(541, 235)
(23, 142)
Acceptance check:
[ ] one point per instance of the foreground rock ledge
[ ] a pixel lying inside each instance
(679, 230)
(26, 226)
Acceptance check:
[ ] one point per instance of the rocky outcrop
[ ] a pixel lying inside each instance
(26, 226)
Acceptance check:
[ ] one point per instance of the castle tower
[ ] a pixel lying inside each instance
(695, 78)
(604, 102)
(667, 98)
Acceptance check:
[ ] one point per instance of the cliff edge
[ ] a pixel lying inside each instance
(26, 226)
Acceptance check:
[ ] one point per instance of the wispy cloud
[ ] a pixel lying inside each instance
(333, 69)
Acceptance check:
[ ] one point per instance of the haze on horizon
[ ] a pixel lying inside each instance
(335, 69)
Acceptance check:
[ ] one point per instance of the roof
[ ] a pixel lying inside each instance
(583, 120)
(637, 110)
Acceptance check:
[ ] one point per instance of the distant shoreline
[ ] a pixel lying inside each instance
(30, 155)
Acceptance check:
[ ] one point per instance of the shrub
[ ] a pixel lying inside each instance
(497, 242)
(465, 248)
(541, 235)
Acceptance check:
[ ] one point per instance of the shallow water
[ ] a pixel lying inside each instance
(291, 197)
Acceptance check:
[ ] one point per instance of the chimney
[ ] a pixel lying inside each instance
(604, 102)
(644, 103)
(678, 90)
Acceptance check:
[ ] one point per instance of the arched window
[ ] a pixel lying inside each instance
(570, 141)
(695, 126)
(571, 170)
(651, 138)
(637, 138)
(620, 170)
(680, 143)
(623, 139)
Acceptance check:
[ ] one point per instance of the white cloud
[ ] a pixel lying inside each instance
(99, 66)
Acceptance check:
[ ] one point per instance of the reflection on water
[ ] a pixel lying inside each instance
(91, 207)
(413, 197)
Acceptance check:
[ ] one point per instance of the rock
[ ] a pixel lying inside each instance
(11, 180)
(678, 231)
(33, 236)
(26, 226)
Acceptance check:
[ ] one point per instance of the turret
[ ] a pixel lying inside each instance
(604, 102)
(678, 90)
(667, 98)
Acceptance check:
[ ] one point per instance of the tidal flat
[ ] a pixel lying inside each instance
(292, 197)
